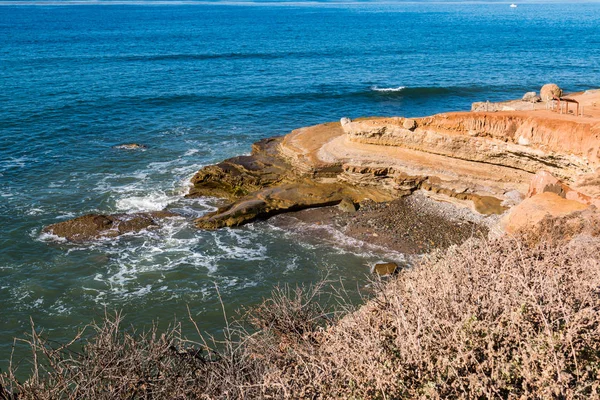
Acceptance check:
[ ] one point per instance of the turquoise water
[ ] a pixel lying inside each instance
(199, 83)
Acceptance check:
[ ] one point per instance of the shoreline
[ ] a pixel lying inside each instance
(391, 174)
(413, 225)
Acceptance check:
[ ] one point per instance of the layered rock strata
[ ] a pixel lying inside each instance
(484, 160)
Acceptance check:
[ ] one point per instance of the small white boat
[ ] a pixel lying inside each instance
(513, 5)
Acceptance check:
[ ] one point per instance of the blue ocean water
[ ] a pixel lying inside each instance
(198, 83)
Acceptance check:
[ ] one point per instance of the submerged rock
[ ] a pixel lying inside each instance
(96, 226)
(131, 146)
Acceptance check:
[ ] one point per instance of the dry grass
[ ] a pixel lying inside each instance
(488, 319)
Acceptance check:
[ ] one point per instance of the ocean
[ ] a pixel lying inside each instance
(200, 82)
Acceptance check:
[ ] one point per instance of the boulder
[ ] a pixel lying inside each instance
(131, 146)
(530, 213)
(385, 269)
(409, 124)
(347, 205)
(96, 226)
(531, 97)
(345, 121)
(549, 91)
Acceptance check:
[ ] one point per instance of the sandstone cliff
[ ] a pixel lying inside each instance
(484, 160)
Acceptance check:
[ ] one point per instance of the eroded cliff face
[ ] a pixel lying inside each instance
(517, 140)
(485, 160)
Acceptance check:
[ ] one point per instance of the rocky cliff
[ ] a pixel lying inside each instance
(484, 160)
(526, 142)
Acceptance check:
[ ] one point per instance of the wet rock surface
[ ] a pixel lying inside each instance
(411, 225)
(385, 269)
(239, 176)
(96, 226)
(272, 201)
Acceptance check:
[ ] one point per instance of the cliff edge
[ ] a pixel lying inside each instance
(486, 160)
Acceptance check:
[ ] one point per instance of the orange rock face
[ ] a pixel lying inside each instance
(544, 182)
(484, 159)
(533, 210)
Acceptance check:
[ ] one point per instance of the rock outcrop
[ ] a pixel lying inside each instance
(96, 226)
(531, 97)
(271, 201)
(488, 159)
(239, 176)
(519, 140)
(550, 91)
(482, 159)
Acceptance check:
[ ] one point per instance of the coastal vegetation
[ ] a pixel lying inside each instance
(130, 188)
(509, 313)
(510, 317)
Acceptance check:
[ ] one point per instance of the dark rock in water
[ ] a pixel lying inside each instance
(347, 205)
(239, 176)
(271, 201)
(385, 269)
(96, 226)
(131, 146)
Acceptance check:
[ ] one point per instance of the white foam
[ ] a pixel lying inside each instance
(59, 308)
(155, 201)
(50, 237)
(66, 215)
(390, 89)
(35, 211)
(292, 265)
(190, 152)
(340, 243)
(18, 162)
(246, 247)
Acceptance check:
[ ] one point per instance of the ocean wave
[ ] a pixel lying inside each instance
(390, 89)
(155, 201)
(430, 91)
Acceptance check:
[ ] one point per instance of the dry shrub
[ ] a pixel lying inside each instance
(488, 319)
(484, 320)
(117, 363)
